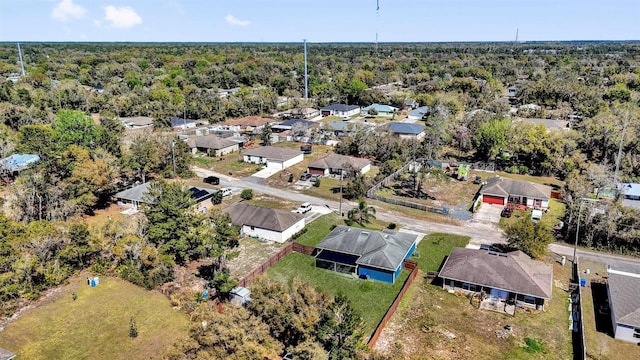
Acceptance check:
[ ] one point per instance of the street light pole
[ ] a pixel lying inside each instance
(575, 246)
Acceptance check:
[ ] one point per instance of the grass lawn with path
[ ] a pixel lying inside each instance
(96, 324)
(369, 297)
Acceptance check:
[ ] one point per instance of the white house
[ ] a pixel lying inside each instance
(340, 110)
(623, 287)
(138, 122)
(273, 157)
(265, 223)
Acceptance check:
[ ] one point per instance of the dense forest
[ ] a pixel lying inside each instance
(43, 238)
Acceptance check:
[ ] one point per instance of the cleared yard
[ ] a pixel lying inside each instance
(96, 324)
(251, 254)
(432, 324)
(371, 298)
(433, 248)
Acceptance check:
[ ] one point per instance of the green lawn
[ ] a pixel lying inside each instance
(434, 247)
(96, 324)
(371, 298)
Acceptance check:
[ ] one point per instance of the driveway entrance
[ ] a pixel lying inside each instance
(488, 213)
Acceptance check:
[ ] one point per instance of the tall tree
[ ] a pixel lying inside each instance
(362, 213)
(529, 237)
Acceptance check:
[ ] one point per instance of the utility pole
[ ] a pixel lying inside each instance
(173, 156)
(624, 128)
(21, 61)
(340, 208)
(575, 246)
(306, 76)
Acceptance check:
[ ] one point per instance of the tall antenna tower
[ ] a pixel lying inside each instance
(517, 35)
(377, 22)
(21, 62)
(306, 76)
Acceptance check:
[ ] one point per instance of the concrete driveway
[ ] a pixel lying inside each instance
(488, 213)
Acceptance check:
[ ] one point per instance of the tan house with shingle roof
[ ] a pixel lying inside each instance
(336, 163)
(512, 277)
(265, 223)
(212, 145)
(499, 190)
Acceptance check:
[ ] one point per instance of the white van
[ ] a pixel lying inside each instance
(304, 208)
(536, 215)
(226, 191)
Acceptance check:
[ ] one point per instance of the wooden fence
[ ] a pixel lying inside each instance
(288, 249)
(410, 265)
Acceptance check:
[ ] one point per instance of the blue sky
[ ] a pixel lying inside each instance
(317, 21)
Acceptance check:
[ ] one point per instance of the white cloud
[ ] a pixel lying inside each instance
(232, 20)
(121, 17)
(66, 10)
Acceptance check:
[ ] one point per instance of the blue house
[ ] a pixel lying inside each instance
(380, 110)
(378, 255)
(18, 162)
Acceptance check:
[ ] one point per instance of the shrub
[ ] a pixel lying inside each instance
(291, 178)
(523, 170)
(247, 194)
(533, 346)
(133, 329)
(512, 169)
(299, 233)
(392, 226)
(317, 182)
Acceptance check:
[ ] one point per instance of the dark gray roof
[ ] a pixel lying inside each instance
(500, 186)
(337, 161)
(420, 112)
(381, 249)
(262, 217)
(300, 122)
(340, 107)
(6, 354)
(273, 153)
(405, 128)
(514, 271)
(624, 292)
(211, 142)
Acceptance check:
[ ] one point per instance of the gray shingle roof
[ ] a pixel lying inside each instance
(381, 249)
(6, 354)
(624, 290)
(340, 107)
(500, 186)
(137, 120)
(550, 124)
(273, 153)
(135, 193)
(337, 161)
(405, 128)
(262, 217)
(514, 271)
(211, 142)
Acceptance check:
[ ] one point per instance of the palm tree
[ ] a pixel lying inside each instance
(362, 213)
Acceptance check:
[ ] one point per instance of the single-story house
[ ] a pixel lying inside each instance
(550, 124)
(265, 223)
(224, 93)
(138, 122)
(499, 190)
(378, 255)
(6, 354)
(338, 128)
(273, 156)
(336, 163)
(405, 130)
(249, 124)
(623, 288)
(179, 123)
(510, 276)
(136, 195)
(411, 104)
(420, 113)
(630, 193)
(297, 126)
(340, 110)
(18, 162)
(212, 145)
(380, 110)
(305, 113)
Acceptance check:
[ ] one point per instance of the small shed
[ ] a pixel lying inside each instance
(240, 296)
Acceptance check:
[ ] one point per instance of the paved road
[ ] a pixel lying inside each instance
(479, 233)
(609, 259)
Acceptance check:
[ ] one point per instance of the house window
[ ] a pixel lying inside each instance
(253, 228)
(469, 287)
(529, 299)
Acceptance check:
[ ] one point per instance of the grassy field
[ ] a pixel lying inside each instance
(96, 324)
(600, 345)
(433, 248)
(433, 324)
(370, 298)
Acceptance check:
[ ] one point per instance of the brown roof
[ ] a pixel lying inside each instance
(262, 217)
(515, 271)
(273, 153)
(211, 142)
(337, 161)
(249, 121)
(504, 187)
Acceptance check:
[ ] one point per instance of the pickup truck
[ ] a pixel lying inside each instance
(303, 209)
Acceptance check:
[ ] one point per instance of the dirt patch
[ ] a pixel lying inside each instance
(251, 254)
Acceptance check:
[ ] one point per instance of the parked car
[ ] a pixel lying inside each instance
(313, 178)
(477, 180)
(213, 180)
(305, 176)
(506, 212)
(304, 208)
(226, 191)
